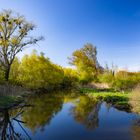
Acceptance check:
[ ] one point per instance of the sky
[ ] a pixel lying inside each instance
(113, 26)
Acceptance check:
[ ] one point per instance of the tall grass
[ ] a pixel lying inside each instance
(135, 99)
(11, 90)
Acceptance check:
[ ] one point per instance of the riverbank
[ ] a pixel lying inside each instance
(7, 102)
(115, 98)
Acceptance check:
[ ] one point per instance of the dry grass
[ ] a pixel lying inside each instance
(135, 99)
(11, 90)
(97, 85)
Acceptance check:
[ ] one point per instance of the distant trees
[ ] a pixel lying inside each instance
(14, 37)
(85, 60)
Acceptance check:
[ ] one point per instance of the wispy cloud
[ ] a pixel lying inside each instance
(133, 68)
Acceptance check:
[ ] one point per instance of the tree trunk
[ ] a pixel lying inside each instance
(7, 72)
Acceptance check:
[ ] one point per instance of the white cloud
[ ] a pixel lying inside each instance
(132, 68)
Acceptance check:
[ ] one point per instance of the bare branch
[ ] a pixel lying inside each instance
(13, 36)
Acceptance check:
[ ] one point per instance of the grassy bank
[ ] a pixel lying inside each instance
(9, 101)
(117, 99)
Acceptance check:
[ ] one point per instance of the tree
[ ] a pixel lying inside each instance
(85, 60)
(14, 71)
(44, 74)
(70, 78)
(14, 37)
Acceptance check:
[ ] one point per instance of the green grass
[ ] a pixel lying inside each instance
(91, 90)
(117, 99)
(7, 101)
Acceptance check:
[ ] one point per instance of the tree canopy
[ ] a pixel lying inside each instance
(85, 60)
(14, 37)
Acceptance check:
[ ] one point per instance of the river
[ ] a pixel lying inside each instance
(61, 116)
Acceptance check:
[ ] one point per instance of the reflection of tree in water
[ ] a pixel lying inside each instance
(7, 119)
(86, 112)
(45, 108)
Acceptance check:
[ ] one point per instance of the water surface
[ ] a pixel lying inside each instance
(68, 117)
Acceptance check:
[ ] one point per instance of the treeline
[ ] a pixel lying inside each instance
(35, 71)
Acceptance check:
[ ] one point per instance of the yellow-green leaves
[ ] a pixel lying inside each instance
(85, 60)
(14, 29)
(36, 71)
(14, 41)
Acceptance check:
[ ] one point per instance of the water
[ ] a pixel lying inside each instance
(68, 117)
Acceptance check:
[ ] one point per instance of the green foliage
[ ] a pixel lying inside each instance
(14, 72)
(106, 77)
(126, 80)
(94, 90)
(70, 77)
(14, 29)
(36, 71)
(121, 80)
(85, 60)
(117, 99)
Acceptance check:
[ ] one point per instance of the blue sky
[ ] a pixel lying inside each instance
(112, 25)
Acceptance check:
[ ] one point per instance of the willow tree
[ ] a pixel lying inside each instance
(14, 37)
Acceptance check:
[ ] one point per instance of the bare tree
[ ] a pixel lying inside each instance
(14, 37)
